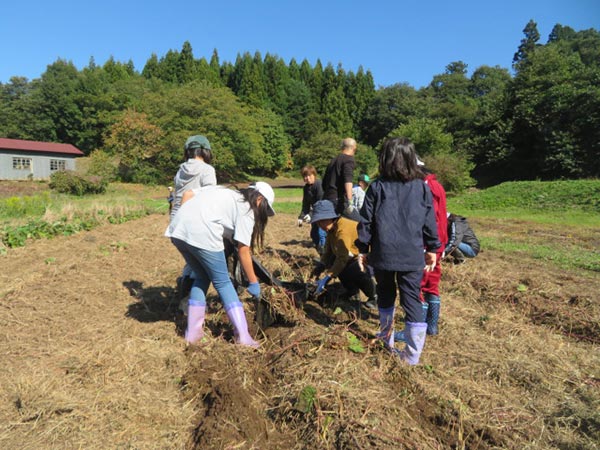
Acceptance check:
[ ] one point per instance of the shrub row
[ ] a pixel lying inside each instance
(17, 236)
(69, 182)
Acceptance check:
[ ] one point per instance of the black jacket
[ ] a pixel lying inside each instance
(311, 194)
(460, 231)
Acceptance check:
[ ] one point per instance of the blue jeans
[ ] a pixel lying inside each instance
(317, 235)
(467, 250)
(209, 267)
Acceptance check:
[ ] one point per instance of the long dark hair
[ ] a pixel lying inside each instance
(204, 153)
(398, 160)
(261, 215)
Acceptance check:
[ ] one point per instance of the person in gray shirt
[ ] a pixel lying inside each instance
(196, 171)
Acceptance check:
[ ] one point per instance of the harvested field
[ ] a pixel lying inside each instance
(93, 354)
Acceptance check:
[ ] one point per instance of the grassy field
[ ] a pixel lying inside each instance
(565, 207)
(31, 210)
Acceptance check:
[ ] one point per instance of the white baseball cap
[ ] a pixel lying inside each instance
(267, 192)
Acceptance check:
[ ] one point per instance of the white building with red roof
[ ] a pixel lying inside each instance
(33, 160)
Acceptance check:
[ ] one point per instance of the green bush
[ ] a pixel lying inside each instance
(452, 170)
(69, 182)
(103, 165)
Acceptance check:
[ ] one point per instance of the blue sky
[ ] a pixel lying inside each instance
(398, 41)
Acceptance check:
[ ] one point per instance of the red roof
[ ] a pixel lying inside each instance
(42, 147)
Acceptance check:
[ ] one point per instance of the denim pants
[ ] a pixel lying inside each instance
(467, 250)
(209, 267)
(409, 284)
(318, 235)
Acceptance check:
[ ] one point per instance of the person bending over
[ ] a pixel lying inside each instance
(340, 258)
(212, 215)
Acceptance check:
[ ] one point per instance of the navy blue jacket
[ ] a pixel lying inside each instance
(398, 222)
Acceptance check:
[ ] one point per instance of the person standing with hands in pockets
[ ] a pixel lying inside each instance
(397, 221)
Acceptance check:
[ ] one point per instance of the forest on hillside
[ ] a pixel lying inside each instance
(265, 117)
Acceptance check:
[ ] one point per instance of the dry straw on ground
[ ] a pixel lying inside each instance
(93, 356)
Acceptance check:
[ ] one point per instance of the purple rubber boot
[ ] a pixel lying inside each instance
(399, 335)
(386, 326)
(414, 333)
(195, 324)
(237, 318)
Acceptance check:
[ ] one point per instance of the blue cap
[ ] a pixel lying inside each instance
(323, 210)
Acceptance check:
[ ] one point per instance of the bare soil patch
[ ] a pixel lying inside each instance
(93, 355)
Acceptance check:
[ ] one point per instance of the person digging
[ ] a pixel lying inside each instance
(340, 255)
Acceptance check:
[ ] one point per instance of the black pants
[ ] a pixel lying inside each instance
(340, 207)
(353, 279)
(409, 284)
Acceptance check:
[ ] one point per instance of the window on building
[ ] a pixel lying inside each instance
(57, 164)
(21, 163)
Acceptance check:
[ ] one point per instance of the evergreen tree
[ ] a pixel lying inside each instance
(276, 77)
(330, 82)
(169, 68)
(315, 82)
(151, 69)
(294, 70)
(115, 70)
(21, 111)
(335, 113)
(205, 72)
(360, 90)
(306, 74)
(216, 68)
(297, 109)
(249, 80)
(528, 43)
(186, 65)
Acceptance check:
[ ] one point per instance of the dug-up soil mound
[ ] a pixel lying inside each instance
(93, 355)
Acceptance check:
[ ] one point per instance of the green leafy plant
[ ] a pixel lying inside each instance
(306, 399)
(354, 344)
